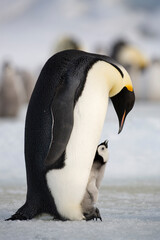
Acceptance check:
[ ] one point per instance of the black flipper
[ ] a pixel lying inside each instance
(62, 113)
(49, 118)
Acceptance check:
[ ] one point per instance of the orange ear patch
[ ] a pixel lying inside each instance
(129, 87)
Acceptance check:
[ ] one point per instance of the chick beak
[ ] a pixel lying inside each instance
(106, 143)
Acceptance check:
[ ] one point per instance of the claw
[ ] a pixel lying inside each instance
(95, 214)
(98, 214)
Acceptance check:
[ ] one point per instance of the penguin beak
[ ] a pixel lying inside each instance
(106, 143)
(123, 102)
(121, 123)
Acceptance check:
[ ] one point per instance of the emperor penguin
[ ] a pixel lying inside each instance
(63, 126)
(95, 179)
(129, 55)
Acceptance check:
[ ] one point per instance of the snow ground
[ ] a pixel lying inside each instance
(129, 199)
(129, 212)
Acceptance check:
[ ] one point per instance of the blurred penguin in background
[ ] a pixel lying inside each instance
(65, 43)
(134, 61)
(10, 99)
(128, 55)
(28, 83)
(152, 79)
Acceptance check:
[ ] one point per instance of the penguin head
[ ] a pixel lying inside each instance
(102, 153)
(129, 55)
(122, 96)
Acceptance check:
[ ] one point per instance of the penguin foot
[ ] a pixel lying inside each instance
(95, 214)
(59, 218)
(16, 216)
(24, 213)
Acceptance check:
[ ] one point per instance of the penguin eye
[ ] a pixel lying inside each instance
(102, 148)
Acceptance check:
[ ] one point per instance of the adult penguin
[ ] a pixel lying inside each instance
(64, 121)
(129, 56)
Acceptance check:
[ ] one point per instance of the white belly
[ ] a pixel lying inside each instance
(68, 185)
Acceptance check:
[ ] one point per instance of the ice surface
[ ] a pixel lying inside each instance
(129, 199)
(129, 211)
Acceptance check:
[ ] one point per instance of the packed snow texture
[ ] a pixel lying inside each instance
(129, 211)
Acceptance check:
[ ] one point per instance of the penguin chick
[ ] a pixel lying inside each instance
(95, 178)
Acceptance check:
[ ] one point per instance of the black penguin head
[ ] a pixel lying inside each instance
(129, 55)
(123, 102)
(102, 153)
(118, 46)
(122, 95)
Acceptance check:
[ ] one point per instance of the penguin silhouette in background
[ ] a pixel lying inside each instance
(9, 92)
(63, 126)
(135, 62)
(129, 55)
(67, 42)
(95, 178)
(28, 82)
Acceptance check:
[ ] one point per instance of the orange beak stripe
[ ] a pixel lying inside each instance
(123, 118)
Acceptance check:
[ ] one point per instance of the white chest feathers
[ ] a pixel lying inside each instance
(68, 185)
